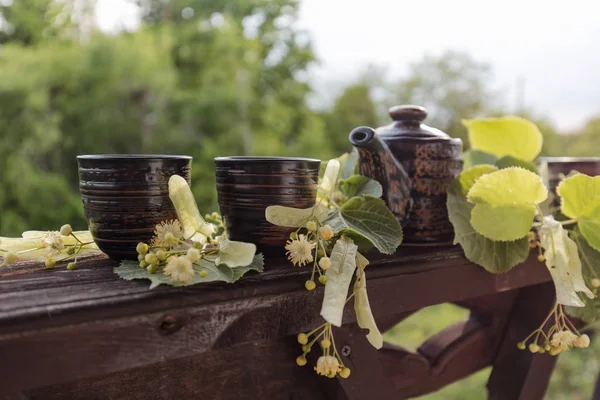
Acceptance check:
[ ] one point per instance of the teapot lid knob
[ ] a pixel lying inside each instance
(408, 113)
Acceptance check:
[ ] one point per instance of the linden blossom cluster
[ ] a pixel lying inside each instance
(561, 336)
(330, 363)
(170, 252)
(51, 247)
(300, 250)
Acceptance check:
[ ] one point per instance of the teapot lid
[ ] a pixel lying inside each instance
(408, 123)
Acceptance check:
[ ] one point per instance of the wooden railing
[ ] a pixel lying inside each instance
(87, 334)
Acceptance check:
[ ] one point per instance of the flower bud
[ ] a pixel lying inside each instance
(203, 274)
(554, 351)
(294, 235)
(345, 372)
(582, 341)
(197, 245)
(10, 258)
(541, 258)
(596, 282)
(534, 348)
(71, 266)
(66, 230)
(325, 232)
(521, 346)
(302, 338)
(325, 343)
(142, 248)
(325, 263)
(311, 226)
(301, 361)
(193, 254)
(323, 279)
(152, 268)
(50, 263)
(151, 258)
(310, 285)
(161, 255)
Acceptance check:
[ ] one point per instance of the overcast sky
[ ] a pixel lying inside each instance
(554, 45)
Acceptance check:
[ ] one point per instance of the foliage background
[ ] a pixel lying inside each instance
(212, 78)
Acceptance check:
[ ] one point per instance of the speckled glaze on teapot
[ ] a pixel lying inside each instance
(414, 163)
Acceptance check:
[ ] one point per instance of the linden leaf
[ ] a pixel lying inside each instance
(130, 270)
(506, 136)
(339, 275)
(505, 203)
(510, 161)
(563, 262)
(495, 257)
(578, 194)
(369, 217)
(502, 223)
(472, 158)
(590, 258)
(508, 186)
(295, 217)
(362, 308)
(468, 177)
(580, 199)
(194, 226)
(357, 185)
(234, 254)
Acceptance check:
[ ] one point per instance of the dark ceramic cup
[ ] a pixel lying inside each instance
(125, 196)
(246, 186)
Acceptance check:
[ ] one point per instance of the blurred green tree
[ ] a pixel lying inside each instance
(451, 86)
(587, 142)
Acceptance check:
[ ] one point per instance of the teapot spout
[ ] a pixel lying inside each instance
(376, 161)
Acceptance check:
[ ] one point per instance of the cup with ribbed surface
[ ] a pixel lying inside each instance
(246, 186)
(125, 195)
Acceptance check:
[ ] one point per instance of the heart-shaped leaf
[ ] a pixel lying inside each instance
(506, 136)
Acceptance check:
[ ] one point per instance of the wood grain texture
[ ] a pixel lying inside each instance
(60, 328)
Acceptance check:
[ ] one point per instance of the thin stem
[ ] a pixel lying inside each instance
(568, 222)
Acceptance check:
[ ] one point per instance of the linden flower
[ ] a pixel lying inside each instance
(168, 234)
(563, 340)
(325, 232)
(179, 269)
(53, 242)
(299, 251)
(582, 341)
(327, 366)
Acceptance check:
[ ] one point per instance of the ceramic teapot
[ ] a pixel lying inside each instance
(414, 164)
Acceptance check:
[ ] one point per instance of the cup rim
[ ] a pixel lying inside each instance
(133, 157)
(264, 158)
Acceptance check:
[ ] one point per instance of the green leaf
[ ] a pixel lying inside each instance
(495, 257)
(579, 194)
(130, 270)
(339, 275)
(362, 308)
(348, 163)
(369, 217)
(506, 136)
(580, 199)
(357, 185)
(234, 254)
(502, 223)
(465, 181)
(563, 262)
(508, 186)
(194, 226)
(295, 217)
(510, 161)
(590, 259)
(472, 158)
(505, 203)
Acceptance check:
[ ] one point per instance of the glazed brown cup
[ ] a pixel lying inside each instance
(246, 186)
(125, 195)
